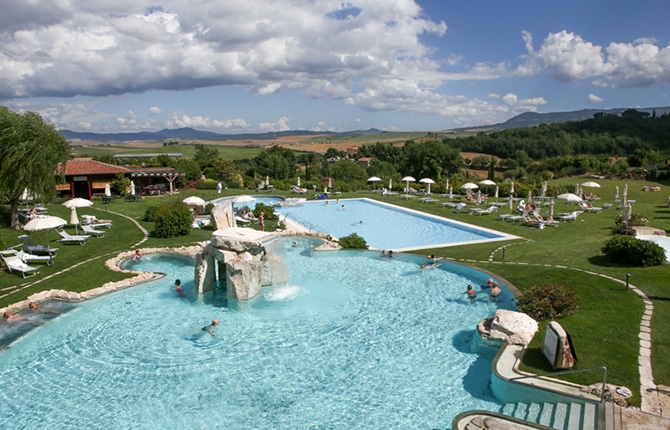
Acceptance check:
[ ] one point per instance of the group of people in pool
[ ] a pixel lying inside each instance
(208, 328)
(491, 285)
(34, 307)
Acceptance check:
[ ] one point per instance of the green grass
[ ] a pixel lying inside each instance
(604, 330)
(187, 151)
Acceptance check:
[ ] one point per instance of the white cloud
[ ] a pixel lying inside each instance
(155, 110)
(280, 125)
(594, 98)
(181, 120)
(568, 57)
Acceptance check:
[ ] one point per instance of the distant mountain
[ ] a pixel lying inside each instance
(532, 119)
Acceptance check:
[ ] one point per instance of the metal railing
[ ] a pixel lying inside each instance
(566, 372)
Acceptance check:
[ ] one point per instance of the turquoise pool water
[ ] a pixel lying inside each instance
(352, 341)
(386, 226)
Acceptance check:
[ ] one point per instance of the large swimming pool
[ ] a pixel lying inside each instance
(354, 340)
(386, 226)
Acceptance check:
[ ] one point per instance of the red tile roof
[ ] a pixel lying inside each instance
(91, 167)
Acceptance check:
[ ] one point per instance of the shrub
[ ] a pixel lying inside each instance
(353, 241)
(208, 208)
(150, 213)
(267, 211)
(628, 250)
(544, 302)
(172, 220)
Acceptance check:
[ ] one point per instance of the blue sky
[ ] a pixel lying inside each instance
(240, 66)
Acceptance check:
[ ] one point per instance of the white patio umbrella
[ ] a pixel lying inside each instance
(73, 204)
(194, 201)
(132, 187)
(44, 222)
(469, 186)
(407, 180)
(624, 196)
(108, 190)
(390, 184)
(267, 181)
(374, 179)
(446, 188)
(570, 197)
(298, 181)
(591, 184)
(511, 188)
(451, 192)
(497, 192)
(427, 181)
(479, 196)
(551, 209)
(244, 198)
(510, 203)
(616, 193)
(487, 182)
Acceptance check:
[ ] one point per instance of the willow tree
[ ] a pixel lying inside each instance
(30, 150)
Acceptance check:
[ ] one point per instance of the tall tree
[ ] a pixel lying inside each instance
(31, 151)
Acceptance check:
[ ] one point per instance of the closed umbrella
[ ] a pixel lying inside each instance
(73, 204)
(577, 190)
(427, 181)
(543, 190)
(616, 193)
(530, 196)
(496, 193)
(108, 191)
(451, 192)
(330, 183)
(479, 196)
(510, 203)
(446, 188)
(511, 187)
(390, 184)
(132, 188)
(298, 181)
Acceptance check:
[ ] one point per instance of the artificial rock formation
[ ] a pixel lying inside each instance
(246, 258)
(222, 215)
(515, 328)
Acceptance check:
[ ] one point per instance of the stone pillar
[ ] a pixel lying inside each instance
(557, 347)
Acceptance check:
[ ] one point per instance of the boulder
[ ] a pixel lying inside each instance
(515, 328)
(223, 216)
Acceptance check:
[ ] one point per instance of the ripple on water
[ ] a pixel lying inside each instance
(350, 342)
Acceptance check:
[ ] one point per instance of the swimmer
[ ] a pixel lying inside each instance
(294, 244)
(35, 307)
(138, 255)
(342, 207)
(423, 266)
(11, 317)
(210, 328)
(177, 286)
(495, 291)
(472, 294)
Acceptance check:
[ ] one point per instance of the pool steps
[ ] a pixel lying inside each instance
(560, 416)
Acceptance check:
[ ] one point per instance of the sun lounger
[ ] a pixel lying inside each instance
(15, 265)
(570, 217)
(81, 239)
(88, 229)
(36, 249)
(487, 211)
(27, 257)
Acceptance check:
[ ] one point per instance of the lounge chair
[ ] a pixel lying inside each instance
(545, 221)
(36, 249)
(242, 220)
(92, 231)
(81, 239)
(589, 208)
(94, 222)
(27, 257)
(14, 264)
(570, 217)
(487, 211)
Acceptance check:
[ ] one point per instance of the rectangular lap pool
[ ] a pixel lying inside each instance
(385, 226)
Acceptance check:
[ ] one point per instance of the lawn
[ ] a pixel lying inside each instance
(604, 330)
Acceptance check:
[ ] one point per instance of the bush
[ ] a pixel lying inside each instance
(548, 302)
(150, 213)
(630, 251)
(353, 241)
(267, 211)
(172, 220)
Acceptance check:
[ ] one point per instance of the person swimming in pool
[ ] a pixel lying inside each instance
(210, 328)
(178, 288)
(472, 294)
(37, 308)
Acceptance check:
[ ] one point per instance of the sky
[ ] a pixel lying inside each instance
(241, 66)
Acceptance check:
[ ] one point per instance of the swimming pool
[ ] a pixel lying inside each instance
(662, 241)
(352, 341)
(266, 200)
(386, 226)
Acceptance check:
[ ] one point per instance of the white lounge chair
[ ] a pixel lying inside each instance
(589, 208)
(27, 257)
(570, 217)
(487, 211)
(36, 249)
(81, 239)
(14, 264)
(88, 229)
